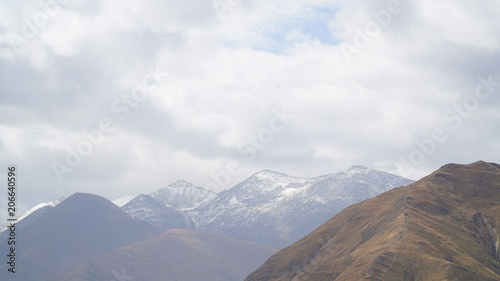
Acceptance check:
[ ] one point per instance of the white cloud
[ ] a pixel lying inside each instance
(227, 77)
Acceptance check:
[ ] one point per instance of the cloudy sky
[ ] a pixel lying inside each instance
(125, 97)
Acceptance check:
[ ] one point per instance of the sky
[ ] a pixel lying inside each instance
(125, 97)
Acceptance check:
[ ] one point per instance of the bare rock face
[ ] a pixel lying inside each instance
(487, 234)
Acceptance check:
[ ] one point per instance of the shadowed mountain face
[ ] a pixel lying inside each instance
(155, 212)
(443, 227)
(81, 227)
(165, 208)
(181, 255)
(30, 216)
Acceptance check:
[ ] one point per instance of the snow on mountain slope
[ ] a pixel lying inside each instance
(165, 208)
(277, 209)
(183, 195)
(40, 206)
(153, 211)
(269, 207)
(120, 202)
(34, 213)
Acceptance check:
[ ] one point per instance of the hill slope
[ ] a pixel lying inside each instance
(181, 255)
(81, 227)
(155, 212)
(30, 216)
(443, 227)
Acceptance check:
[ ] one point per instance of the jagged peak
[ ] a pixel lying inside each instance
(268, 173)
(358, 167)
(179, 186)
(181, 183)
(356, 170)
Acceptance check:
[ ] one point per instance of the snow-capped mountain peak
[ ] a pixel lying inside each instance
(277, 209)
(35, 212)
(270, 174)
(122, 201)
(182, 195)
(269, 182)
(41, 205)
(268, 207)
(181, 184)
(356, 170)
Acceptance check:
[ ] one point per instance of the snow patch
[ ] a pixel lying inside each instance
(122, 201)
(234, 201)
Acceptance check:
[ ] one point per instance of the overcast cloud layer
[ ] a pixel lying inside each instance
(169, 90)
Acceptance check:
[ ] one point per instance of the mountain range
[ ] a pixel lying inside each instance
(443, 227)
(269, 207)
(446, 226)
(87, 237)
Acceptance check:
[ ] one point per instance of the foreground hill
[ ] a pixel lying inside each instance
(181, 255)
(443, 227)
(30, 216)
(81, 227)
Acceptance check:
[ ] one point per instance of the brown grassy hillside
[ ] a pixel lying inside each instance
(443, 227)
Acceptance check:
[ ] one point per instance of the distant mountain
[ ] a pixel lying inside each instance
(30, 216)
(155, 212)
(444, 227)
(181, 255)
(182, 195)
(121, 201)
(165, 208)
(269, 207)
(81, 227)
(276, 209)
